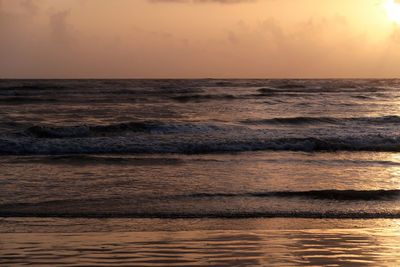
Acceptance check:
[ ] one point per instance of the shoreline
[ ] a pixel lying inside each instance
(185, 242)
(87, 225)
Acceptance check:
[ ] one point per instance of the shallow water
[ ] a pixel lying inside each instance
(250, 242)
(252, 184)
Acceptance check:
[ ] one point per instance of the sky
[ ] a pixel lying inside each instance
(199, 39)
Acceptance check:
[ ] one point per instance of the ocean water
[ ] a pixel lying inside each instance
(178, 153)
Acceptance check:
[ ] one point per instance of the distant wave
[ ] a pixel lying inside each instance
(292, 89)
(342, 195)
(25, 100)
(227, 214)
(28, 86)
(329, 120)
(177, 144)
(83, 159)
(202, 97)
(115, 129)
(45, 131)
(291, 86)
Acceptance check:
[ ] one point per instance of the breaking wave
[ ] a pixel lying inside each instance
(342, 195)
(132, 207)
(161, 144)
(116, 129)
(25, 100)
(329, 120)
(201, 98)
(194, 215)
(44, 131)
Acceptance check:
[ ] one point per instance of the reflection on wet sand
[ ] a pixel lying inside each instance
(309, 247)
(347, 248)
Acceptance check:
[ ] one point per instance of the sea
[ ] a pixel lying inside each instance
(206, 172)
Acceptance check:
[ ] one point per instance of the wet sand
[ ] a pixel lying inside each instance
(206, 242)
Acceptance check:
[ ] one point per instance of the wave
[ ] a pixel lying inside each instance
(115, 129)
(120, 207)
(291, 86)
(294, 89)
(97, 159)
(25, 100)
(327, 120)
(342, 195)
(201, 215)
(177, 144)
(34, 86)
(201, 98)
(45, 131)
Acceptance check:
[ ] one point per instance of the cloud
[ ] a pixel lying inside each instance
(47, 38)
(31, 6)
(59, 27)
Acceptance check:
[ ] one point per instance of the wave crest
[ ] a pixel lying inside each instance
(168, 144)
(42, 131)
(327, 120)
(342, 195)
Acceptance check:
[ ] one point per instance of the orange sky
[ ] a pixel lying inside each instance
(197, 39)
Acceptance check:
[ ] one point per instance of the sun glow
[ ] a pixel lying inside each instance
(393, 10)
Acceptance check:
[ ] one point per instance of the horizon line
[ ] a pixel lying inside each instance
(207, 78)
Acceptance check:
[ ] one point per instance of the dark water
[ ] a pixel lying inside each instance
(200, 148)
(197, 116)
